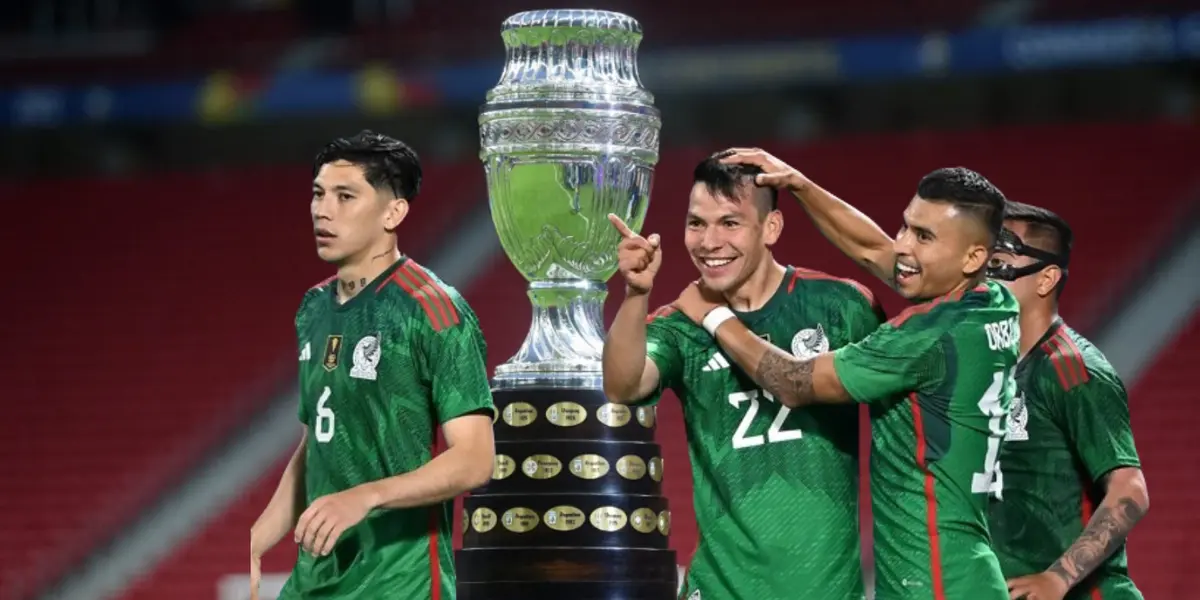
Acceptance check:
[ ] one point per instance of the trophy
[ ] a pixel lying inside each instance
(574, 509)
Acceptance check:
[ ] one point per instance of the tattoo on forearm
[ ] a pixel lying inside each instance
(785, 376)
(1103, 535)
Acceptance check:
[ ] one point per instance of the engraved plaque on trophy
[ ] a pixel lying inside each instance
(575, 508)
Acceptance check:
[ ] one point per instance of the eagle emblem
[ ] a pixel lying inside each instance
(808, 343)
(1018, 421)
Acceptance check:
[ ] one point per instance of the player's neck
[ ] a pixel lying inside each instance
(1036, 320)
(354, 274)
(757, 290)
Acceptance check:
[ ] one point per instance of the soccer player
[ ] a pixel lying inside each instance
(775, 489)
(938, 377)
(388, 352)
(1073, 488)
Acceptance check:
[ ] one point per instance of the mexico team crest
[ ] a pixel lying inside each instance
(810, 342)
(1018, 419)
(366, 357)
(333, 347)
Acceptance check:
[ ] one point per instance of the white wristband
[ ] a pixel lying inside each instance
(715, 317)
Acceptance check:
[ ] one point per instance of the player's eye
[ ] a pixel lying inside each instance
(695, 224)
(344, 197)
(730, 224)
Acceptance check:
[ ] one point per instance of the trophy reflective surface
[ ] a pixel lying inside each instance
(575, 508)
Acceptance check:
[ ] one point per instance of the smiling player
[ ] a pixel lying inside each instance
(938, 377)
(775, 489)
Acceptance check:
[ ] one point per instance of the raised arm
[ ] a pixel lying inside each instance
(629, 375)
(851, 231)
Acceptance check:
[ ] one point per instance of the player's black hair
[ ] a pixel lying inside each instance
(969, 192)
(1047, 230)
(729, 180)
(387, 163)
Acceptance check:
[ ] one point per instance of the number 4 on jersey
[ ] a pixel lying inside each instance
(776, 433)
(323, 428)
(991, 480)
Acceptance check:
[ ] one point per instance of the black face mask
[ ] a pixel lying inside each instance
(1009, 243)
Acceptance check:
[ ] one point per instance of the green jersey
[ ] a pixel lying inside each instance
(775, 489)
(1069, 428)
(378, 375)
(939, 380)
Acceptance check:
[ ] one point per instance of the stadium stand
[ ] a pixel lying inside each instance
(1161, 552)
(1041, 165)
(150, 391)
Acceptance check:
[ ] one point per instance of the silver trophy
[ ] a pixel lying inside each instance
(567, 136)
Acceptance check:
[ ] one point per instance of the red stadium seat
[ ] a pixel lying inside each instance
(1163, 403)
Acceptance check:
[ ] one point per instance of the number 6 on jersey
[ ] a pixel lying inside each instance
(325, 418)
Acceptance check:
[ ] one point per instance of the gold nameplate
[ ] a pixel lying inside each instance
(466, 522)
(484, 520)
(656, 468)
(643, 520)
(589, 466)
(564, 518)
(631, 467)
(664, 522)
(520, 520)
(608, 518)
(519, 414)
(646, 415)
(541, 466)
(503, 467)
(614, 415)
(566, 414)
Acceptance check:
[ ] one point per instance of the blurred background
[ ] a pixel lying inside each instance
(155, 170)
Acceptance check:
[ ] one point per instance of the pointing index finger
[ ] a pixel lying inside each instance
(626, 232)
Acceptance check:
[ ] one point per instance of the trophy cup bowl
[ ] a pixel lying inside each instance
(575, 507)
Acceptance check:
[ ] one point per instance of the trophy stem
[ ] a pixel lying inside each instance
(566, 339)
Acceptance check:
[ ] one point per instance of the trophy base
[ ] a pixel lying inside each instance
(574, 510)
(576, 590)
(567, 573)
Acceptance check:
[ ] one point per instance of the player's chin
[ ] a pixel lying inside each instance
(328, 253)
(909, 287)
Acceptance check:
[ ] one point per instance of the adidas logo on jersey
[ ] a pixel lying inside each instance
(716, 363)
(306, 352)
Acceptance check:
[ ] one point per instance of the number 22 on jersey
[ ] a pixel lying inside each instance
(775, 433)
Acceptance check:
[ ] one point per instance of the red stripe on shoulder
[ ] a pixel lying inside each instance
(801, 273)
(1067, 360)
(324, 282)
(430, 283)
(402, 279)
(662, 311)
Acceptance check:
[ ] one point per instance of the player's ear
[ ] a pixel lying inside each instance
(1048, 280)
(772, 227)
(976, 258)
(396, 211)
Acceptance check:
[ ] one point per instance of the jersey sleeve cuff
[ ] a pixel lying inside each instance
(845, 374)
(1109, 466)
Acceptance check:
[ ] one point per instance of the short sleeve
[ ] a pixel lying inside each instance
(456, 360)
(886, 363)
(1095, 416)
(662, 347)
